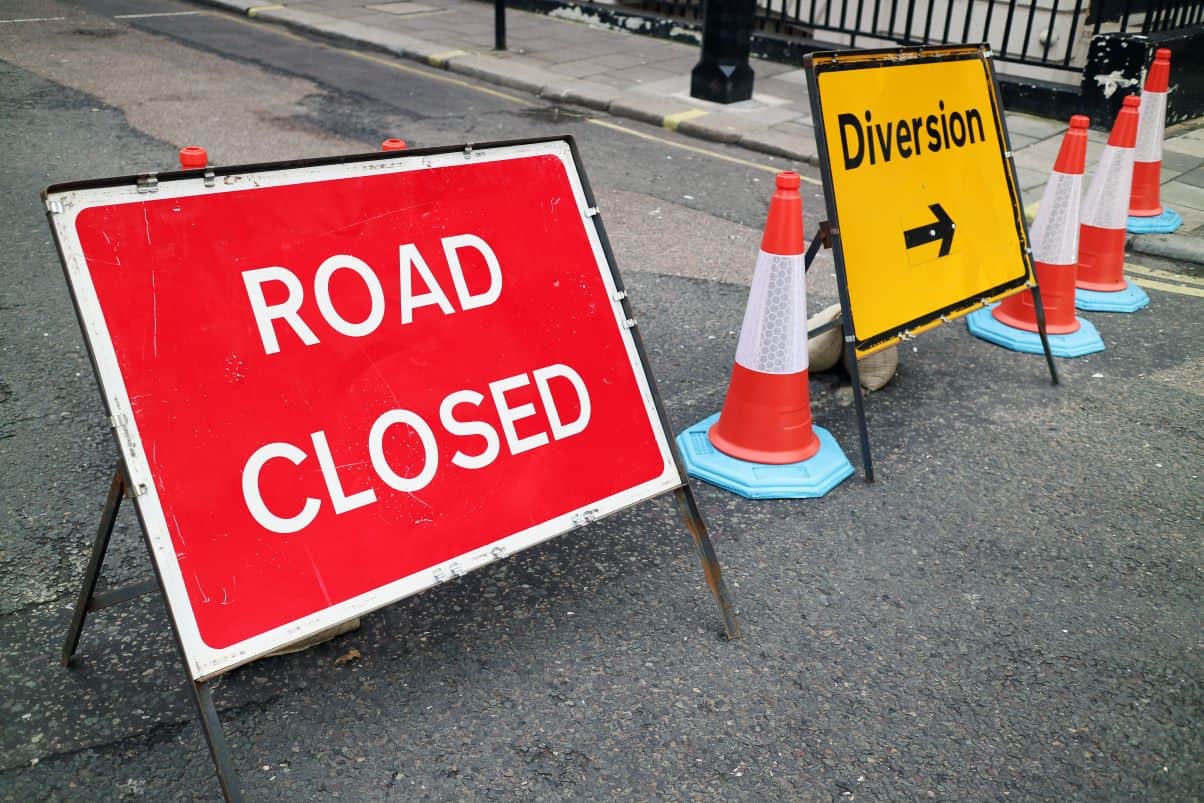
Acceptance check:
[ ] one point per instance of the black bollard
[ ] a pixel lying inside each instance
(722, 73)
(499, 24)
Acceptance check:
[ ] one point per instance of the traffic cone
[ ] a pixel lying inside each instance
(762, 445)
(393, 144)
(1101, 279)
(1054, 236)
(1146, 213)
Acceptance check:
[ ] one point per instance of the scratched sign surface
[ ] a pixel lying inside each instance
(337, 385)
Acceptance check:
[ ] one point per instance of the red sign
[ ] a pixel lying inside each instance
(337, 385)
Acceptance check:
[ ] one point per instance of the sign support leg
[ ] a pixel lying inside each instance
(850, 356)
(104, 531)
(710, 563)
(89, 600)
(227, 775)
(211, 725)
(823, 238)
(1039, 309)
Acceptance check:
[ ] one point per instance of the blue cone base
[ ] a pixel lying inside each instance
(983, 324)
(1131, 299)
(1169, 221)
(807, 479)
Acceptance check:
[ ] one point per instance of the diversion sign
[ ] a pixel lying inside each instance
(336, 384)
(926, 213)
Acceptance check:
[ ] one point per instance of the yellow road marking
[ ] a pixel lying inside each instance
(1163, 274)
(672, 121)
(1170, 288)
(155, 14)
(692, 149)
(439, 59)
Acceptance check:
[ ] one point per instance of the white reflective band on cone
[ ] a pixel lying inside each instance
(1150, 125)
(1055, 232)
(1106, 205)
(773, 339)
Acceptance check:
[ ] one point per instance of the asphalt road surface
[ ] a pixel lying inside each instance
(1012, 611)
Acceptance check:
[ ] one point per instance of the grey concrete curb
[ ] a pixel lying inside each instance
(778, 143)
(661, 112)
(648, 109)
(502, 72)
(581, 93)
(241, 6)
(1185, 248)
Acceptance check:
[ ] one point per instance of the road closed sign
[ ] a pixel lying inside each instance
(335, 384)
(920, 188)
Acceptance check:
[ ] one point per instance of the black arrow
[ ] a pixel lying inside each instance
(940, 229)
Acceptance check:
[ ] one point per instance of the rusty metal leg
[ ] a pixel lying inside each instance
(103, 532)
(710, 563)
(822, 238)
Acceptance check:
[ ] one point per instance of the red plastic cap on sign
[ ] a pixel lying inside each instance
(1124, 130)
(193, 156)
(1158, 79)
(393, 144)
(1072, 157)
(784, 227)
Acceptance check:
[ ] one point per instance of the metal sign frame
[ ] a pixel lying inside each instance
(818, 63)
(133, 474)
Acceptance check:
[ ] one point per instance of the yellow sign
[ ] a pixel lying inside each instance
(921, 193)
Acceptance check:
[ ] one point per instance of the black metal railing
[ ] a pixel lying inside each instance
(1044, 33)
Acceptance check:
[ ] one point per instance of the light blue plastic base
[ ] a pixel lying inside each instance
(809, 479)
(983, 324)
(1169, 221)
(1131, 299)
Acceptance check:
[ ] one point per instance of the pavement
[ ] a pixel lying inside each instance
(565, 57)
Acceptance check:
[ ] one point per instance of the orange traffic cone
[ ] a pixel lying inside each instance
(1146, 213)
(763, 444)
(1101, 272)
(1055, 243)
(393, 144)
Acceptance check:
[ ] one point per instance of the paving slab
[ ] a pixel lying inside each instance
(1030, 179)
(1179, 162)
(1194, 177)
(1038, 128)
(1177, 193)
(1189, 145)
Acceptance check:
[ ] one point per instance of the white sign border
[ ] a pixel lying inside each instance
(204, 661)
